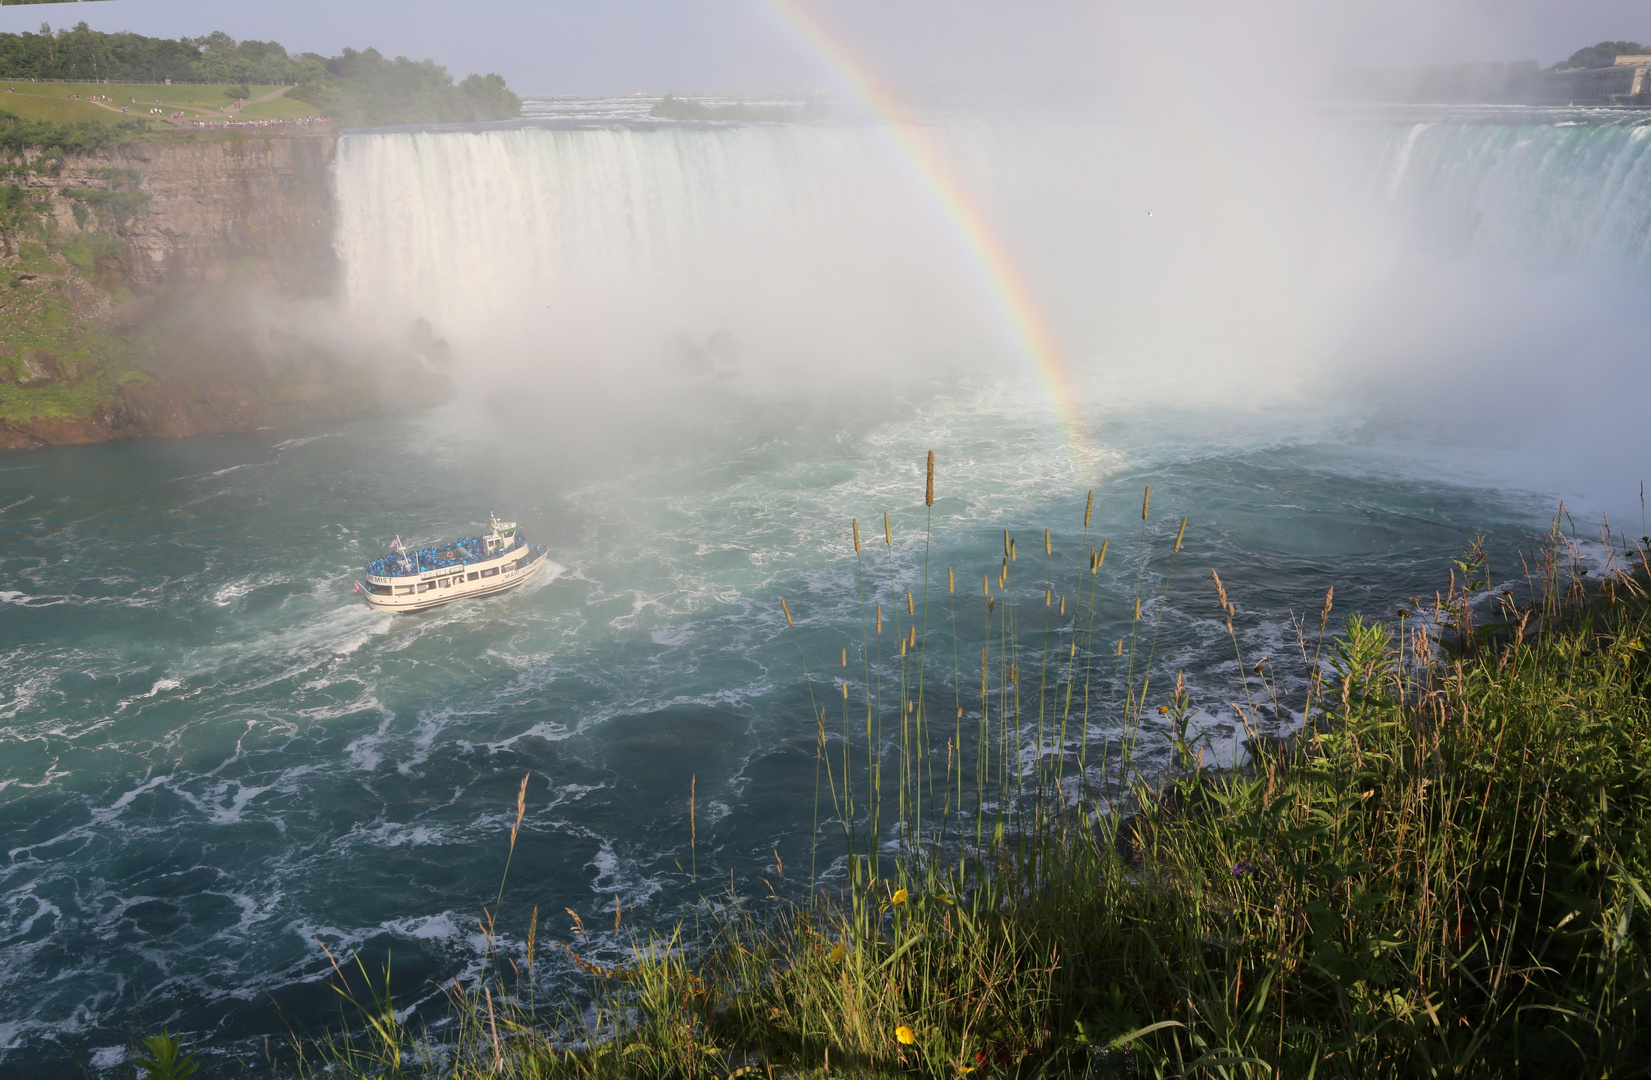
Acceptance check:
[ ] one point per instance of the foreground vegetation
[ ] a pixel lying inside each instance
(1444, 872)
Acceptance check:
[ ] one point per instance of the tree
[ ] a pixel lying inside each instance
(361, 87)
(1602, 55)
(366, 88)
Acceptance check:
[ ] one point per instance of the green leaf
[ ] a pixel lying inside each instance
(1130, 1037)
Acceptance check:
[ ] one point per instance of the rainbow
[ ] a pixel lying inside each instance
(1022, 320)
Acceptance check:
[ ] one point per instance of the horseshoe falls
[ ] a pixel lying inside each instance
(686, 358)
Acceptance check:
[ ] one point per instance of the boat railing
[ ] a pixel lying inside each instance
(424, 560)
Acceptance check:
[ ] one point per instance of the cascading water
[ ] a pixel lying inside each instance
(1561, 196)
(745, 337)
(543, 251)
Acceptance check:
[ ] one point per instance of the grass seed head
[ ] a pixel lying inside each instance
(1180, 533)
(1146, 500)
(951, 581)
(879, 618)
(856, 523)
(787, 609)
(928, 488)
(1089, 508)
(911, 608)
(888, 535)
(1048, 546)
(1101, 558)
(521, 810)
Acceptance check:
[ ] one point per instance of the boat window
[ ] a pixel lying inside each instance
(494, 572)
(447, 583)
(426, 586)
(380, 590)
(472, 576)
(404, 590)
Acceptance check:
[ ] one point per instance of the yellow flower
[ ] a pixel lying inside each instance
(899, 896)
(904, 1033)
(837, 953)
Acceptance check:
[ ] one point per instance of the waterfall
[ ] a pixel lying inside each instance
(1192, 265)
(636, 248)
(1560, 196)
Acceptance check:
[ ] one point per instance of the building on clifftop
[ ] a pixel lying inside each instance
(1627, 81)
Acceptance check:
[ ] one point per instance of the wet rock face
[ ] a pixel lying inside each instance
(39, 368)
(191, 239)
(225, 405)
(71, 430)
(258, 207)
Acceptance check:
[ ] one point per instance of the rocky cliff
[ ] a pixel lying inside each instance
(266, 203)
(137, 298)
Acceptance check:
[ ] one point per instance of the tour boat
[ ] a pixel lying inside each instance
(407, 580)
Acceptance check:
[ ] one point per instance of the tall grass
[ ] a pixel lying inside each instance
(1442, 872)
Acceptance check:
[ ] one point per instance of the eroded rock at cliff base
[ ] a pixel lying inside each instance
(181, 407)
(71, 430)
(12, 439)
(174, 412)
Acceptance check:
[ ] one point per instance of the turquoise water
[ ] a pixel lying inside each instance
(215, 756)
(214, 759)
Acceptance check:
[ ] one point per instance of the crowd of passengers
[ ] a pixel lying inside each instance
(460, 554)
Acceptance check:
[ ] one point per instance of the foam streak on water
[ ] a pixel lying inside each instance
(194, 789)
(212, 754)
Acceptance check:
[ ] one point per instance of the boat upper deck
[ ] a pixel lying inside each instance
(460, 553)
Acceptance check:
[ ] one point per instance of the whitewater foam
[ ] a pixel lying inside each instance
(201, 786)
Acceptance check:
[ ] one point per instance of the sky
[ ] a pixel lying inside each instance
(651, 46)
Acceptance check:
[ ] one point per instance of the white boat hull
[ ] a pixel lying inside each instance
(433, 588)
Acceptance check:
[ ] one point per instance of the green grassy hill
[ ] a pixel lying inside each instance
(100, 103)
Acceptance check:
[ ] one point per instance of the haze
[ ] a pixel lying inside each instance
(1283, 264)
(595, 47)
